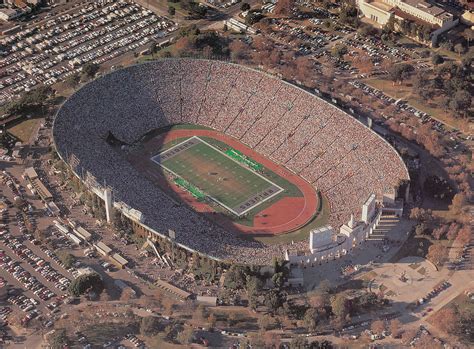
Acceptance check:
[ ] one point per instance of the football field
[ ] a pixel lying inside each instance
(224, 180)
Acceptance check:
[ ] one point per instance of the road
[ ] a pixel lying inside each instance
(159, 8)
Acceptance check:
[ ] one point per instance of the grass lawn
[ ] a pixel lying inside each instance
(405, 92)
(413, 246)
(98, 335)
(217, 175)
(242, 319)
(465, 307)
(369, 276)
(414, 266)
(24, 129)
(438, 113)
(422, 271)
(417, 246)
(395, 91)
(157, 55)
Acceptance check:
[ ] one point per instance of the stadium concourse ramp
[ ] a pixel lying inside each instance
(385, 225)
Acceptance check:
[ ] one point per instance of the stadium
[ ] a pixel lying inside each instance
(212, 154)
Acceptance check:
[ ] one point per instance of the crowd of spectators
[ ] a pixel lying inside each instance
(330, 149)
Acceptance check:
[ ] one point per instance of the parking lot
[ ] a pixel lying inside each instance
(50, 51)
(34, 277)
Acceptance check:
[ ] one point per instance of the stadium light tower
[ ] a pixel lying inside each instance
(108, 204)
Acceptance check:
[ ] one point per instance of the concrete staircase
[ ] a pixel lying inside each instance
(383, 228)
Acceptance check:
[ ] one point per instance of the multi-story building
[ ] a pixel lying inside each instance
(380, 12)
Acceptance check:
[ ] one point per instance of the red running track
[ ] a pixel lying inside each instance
(287, 214)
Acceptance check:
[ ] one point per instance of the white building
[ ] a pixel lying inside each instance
(240, 27)
(325, 244)
(380, 12)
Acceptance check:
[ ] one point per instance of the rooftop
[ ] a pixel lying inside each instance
(381, 5)
(321, 237)
(425, 7)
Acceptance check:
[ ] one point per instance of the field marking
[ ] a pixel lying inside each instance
(280, 189)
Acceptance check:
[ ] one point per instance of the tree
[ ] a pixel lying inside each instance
(244, 7)
(421, 229)
(168, 305)
(58, 339)
(458, 202)
(299, 343)
(395, 328)
(85, 283)
(310, 319)
(340, 305)
(235, 277)
(421, 214)
(468, 33)
(284, 7)
(437, 253)
(446, 319)
(377, 326)
(238, 50)
(401, 72)
(253, 16)
(231, 319)
(339, 50)
(278, 279)
(349, 14)
(464, 235)
(265, 322)
(417, 213)
(427, 92)
(437, 59)
(211, 320)
(459, 49)
(319, 300)
(171, 10)
(367, 300)
(363, 62)
(90, 69)
(200, 314)
(273, 300)
(66, 258)
(38, 96)
(324, 287)
(72, 80)
(439, 232)
(149, 326)
(365, 30)
(452, 231)
(253, 286)
(186, 335)
(461, 101)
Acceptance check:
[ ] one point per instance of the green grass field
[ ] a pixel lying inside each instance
(232, 185)
(24, 129)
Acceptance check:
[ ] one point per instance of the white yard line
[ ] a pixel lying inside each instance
(280, 189)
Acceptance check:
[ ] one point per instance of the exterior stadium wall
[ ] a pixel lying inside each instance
(343, 245)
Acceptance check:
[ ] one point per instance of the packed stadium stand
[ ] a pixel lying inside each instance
(330, 149)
